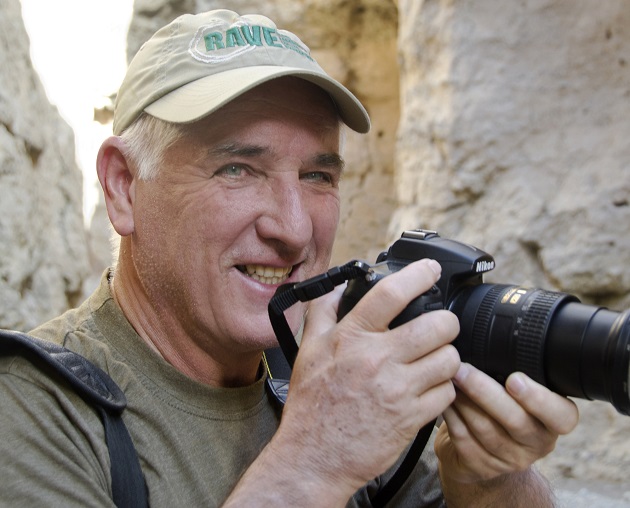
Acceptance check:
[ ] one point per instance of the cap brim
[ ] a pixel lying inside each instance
(199, 98)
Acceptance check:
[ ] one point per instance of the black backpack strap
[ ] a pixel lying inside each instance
(99, 390)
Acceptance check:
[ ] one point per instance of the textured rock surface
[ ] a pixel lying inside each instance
(43, 252)
(514, 137)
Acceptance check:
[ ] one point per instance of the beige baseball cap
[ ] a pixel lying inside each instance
(198, 63)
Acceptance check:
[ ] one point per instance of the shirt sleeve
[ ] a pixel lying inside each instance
(51, 442)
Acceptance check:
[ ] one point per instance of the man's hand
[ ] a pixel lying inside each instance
(359, 392)
(491, 432)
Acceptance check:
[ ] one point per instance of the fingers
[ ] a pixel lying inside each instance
(486, 406)
(374, 312)
(493, 430)
(436, 367)
(523, 404)
(322, 313)
(389, 297)
(557, 413)
(430, 402)
(392, 294)
(466, 457)
(416, 338)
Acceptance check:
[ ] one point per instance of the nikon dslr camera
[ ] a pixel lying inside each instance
(574, 349)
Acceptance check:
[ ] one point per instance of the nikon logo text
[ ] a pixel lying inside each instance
(484, 266)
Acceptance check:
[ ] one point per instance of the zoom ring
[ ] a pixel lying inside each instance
(481, 326)
(530, 333)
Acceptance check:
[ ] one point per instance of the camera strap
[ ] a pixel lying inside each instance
(279, 365)
(288, 295)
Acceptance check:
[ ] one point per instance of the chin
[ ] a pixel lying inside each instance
(256, 333)
(257, 344)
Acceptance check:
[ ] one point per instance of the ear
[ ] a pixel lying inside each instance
(118, 184)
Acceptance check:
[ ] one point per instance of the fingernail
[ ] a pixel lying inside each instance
(462, 373)
(516, 383)
(435, 267)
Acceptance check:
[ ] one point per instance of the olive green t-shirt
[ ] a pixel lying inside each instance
(193, 441)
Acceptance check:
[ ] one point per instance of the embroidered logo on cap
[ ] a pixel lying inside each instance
(214, 43)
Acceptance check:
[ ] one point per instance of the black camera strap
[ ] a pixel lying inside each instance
(288, 295)
(279, 369)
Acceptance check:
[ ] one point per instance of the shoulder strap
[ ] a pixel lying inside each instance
(99, 390)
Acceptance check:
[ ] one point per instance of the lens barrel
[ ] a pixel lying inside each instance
(573, 349)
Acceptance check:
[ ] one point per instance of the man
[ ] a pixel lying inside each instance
(222, 181)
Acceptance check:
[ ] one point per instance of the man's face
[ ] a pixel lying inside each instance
(249, 200)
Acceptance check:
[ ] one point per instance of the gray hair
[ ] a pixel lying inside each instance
(147, 140)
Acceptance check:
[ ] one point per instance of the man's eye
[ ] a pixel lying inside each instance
(318, 176)
(230, 170)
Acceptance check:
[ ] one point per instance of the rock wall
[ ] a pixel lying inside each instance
(514, 137)
(43, 251)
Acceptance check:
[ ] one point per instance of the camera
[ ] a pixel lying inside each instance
(574, 349)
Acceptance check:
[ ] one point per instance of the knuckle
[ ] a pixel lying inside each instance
(371, 364)
(395, 391)
(448, 361)
(453, 360)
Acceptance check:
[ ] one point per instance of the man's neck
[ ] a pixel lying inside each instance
(176, 345)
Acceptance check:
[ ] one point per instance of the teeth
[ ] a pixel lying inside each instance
(267, 274)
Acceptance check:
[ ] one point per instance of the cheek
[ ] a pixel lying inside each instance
(325, 221)
(168, 227)
(152, 223)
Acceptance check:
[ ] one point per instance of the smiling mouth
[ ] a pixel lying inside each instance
(266, 274)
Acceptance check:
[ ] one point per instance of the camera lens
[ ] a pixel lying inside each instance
(574, 349)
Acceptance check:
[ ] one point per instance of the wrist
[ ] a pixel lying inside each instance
(285, 475)
(518, 489)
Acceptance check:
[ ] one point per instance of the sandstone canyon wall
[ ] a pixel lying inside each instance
(43, 249)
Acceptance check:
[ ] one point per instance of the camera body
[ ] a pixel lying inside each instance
(462, 264)
(574, 349)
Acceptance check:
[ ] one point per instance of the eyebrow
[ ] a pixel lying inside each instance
(238, 150)
(329, 160)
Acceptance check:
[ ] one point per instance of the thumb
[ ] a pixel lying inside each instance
(322, 313)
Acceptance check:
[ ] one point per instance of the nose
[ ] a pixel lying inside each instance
(285, 216)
